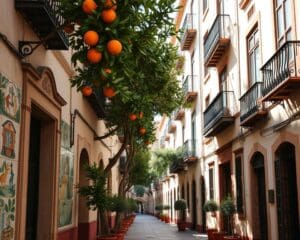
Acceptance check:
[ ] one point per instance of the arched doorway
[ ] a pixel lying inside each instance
(286, 192)
(182, 192)
(259, 201)
(83, 212)
(203, 213)
(194, 205)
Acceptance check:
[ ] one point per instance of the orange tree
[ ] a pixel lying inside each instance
(121, 47)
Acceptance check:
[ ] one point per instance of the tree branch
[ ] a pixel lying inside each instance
(107, 134)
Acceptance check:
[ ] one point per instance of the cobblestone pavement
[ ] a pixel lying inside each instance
(147, 227)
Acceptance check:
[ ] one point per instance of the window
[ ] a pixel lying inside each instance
(204, 5)
(283, 21)
(222, 80)
(211, 182)
(239, 184)
(253, 56)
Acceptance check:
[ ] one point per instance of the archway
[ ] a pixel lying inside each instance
(259, 202)
(286, 192)
(83, 212)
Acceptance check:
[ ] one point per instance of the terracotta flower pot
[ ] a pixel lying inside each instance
(181, 226)
(107, 238)
(210, 233)
(235, 237)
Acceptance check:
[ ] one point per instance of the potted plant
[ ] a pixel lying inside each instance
(97, 199)
(167, 218)
(159, 208)
(181, 206)
(227, 208)
(211, 206)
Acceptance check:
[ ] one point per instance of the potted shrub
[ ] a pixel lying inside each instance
(180, 205)
(159, 208)
(97, 199)
(166, 215)
(211, 206)
(227, 208)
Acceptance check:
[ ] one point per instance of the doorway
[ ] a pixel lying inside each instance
(225, 190)
(194, 206)
(286, 192)
(83, 212)
(259, 201)
(202, 181)
(40, 175)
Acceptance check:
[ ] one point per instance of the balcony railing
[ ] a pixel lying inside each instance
(217, 41)
(179, 114)
(188, 88)
(219, 113)
(189, 149)
(45, 20)
(281, 74)
(171, 126)
(252, 109)
(177, 166)
(97, 102)
(188, 32)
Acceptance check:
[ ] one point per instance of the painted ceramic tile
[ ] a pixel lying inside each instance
(8, 171)
(10, 99)
(65, 135)
(8, 146)
(65, 188)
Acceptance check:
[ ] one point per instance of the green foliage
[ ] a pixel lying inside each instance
(132, 205)
(118, 204)
(180, 205)
(96, 192)
(140, 173)
(143, 75)
(10, 209)
(166, 207)
(139, 190)
(210, 206)
(227, 206)
(159, 207)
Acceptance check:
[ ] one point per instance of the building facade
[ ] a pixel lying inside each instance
(48, 129)
(243, 115)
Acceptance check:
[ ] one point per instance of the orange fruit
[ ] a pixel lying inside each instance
(89, 6)
(91, 38)
(86, 91)
(109, 92)
(114, 47)
(142, 130)
(108, 15)
(94, 56)
(132, 116)
(111, 4)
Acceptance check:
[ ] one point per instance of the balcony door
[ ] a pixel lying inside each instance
(253, 57)
(283, 20)
(223, 7)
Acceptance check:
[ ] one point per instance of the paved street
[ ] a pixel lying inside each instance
(149, 227)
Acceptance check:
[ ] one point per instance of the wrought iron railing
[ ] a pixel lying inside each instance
(221, 106)
(188, 84)
(249, 101)
(285, 63)
(219, 29)
(189, 148)
(177, 165)
(187, 25)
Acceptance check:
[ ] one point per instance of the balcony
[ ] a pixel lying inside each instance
(171, 126)
(177, 166)
(217, 41)
(252, 109)
(46, 22)
(189, 151)
(97, 102)
(188, 88)
(188, 32)
(281, 74)
(179, 114)
(219, 114)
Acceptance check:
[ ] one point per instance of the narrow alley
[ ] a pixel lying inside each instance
(149, 227)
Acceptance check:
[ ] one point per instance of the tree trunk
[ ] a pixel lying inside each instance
(104, 230)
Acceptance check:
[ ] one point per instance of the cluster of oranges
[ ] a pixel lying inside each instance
(91, 38)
